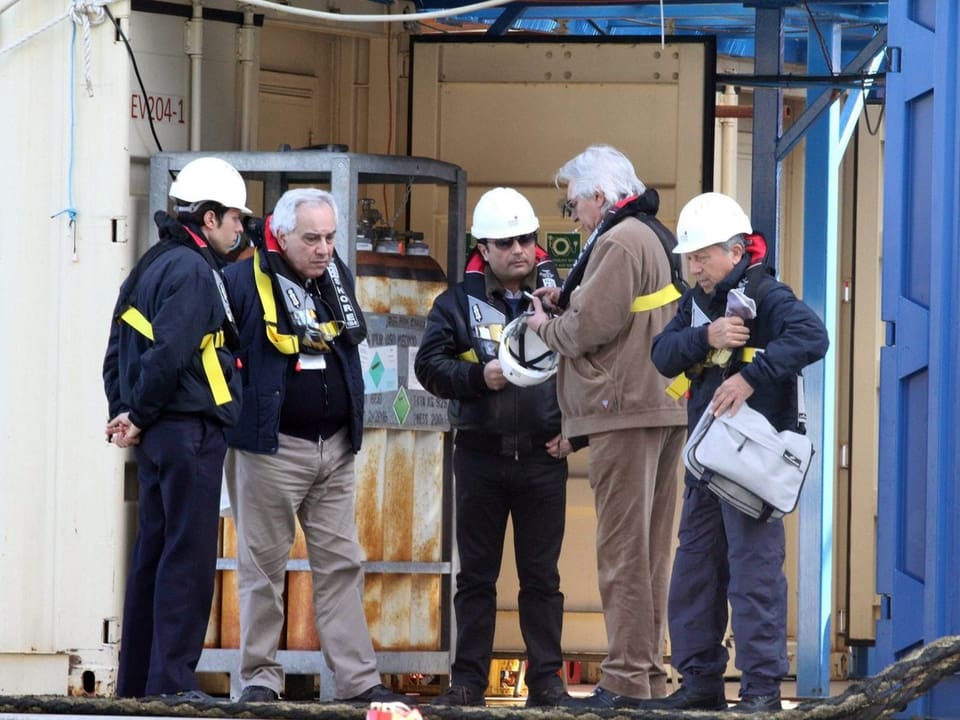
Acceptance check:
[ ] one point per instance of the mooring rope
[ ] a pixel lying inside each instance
(880, 695)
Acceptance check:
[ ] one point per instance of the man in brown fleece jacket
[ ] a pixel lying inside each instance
(615, 300)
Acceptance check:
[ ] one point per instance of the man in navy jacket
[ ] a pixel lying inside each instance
(293, 449)
(169, 380)
(731, 359)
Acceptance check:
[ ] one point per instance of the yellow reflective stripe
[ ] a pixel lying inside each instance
(470, 356)
(136, 319)
(287, 344)
(678, 387)
(208, 353)
(663, 296)
(213, 371)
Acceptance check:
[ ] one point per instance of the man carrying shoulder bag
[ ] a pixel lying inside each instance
(731, 359)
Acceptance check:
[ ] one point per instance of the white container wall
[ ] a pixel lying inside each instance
(61, 515)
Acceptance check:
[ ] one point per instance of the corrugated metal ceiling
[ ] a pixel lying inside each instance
(731, 22)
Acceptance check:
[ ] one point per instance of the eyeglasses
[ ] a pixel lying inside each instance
(507, 243)
(568, 207)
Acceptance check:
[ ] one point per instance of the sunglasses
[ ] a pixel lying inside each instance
(507, 243)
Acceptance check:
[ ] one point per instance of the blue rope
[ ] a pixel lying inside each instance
(70, 210)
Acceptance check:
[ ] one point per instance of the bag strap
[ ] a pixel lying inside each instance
(761, 281)
(801, 405)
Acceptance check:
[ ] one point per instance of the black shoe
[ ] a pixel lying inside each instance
(197, 697)
(685, 699)
(459, 695)
(258, 693)
(378, 693)
(600, 699)
(550, 697)
(757, 703)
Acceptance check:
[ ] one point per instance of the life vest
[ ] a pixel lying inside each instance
(486, 321)
(311, 336)
(756, 283)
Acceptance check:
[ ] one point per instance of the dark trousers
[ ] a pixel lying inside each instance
(724, 554)
(532, 490)
(172, 571)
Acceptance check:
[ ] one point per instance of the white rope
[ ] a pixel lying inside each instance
(86, 13)
(36, 32)
(402, 17)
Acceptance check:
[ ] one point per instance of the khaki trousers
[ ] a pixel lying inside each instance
(315, 482)
(634, 476)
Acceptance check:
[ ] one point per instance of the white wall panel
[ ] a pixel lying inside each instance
(60, 483)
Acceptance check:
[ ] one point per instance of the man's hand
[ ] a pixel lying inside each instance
(493, 375)
(732, 393)
(122, 432)
(559, 447)
(727, 332)
(539, 316)
(549, 297)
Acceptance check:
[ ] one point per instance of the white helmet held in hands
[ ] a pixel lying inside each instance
(524, 358)
(502, 213)
(210, 178)
(709, 219)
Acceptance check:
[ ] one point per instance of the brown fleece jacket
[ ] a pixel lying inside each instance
(606, 379)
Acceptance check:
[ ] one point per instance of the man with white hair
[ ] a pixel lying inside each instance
(292, 451)
(619, 294)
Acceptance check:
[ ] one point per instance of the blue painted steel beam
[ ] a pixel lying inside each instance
(820, 283)
(510, 13)
(767, 122)
(866, 60)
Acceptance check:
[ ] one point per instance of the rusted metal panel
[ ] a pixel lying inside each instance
(212, 637)
(369, 514)
(399, 478)
(301, 623)
(230, 597)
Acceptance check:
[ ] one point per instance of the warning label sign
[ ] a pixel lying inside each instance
(564, 247)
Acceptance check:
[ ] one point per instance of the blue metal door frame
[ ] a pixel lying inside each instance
(918, 562)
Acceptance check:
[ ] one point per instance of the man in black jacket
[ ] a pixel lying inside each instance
(731, 357)
(169, 380)
(509, 459)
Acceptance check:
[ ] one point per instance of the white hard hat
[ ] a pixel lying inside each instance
(210, 178)
(524, 358)
(709, 219)
(502, 213)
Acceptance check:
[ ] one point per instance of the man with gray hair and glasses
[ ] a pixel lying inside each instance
(620, 293)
